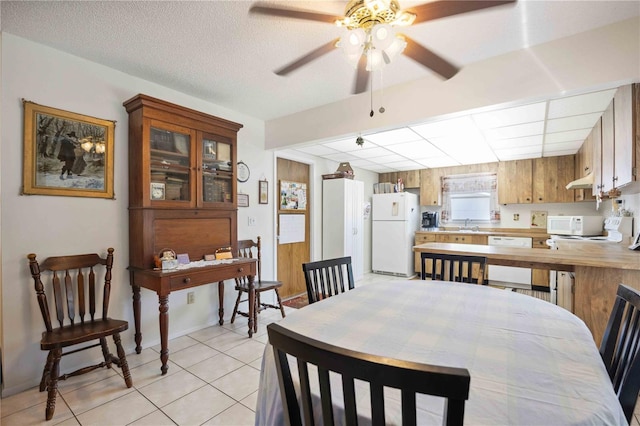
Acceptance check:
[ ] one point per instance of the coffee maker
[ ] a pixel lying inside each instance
(430, 220)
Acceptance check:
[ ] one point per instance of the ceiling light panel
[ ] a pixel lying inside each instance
(563, 146)
(517, 142)
(580, 104)
(341, 157)
(404, 165)
(511, 116)
(532, 150)
(387, 158)
(441, 128)
(434, 162)
(584, 121)
(392, 137)
(416, 149)
(517, 131)
(572, 135)
(370, 152)
(343, 145)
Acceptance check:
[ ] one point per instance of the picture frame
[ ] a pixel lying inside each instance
(243, 200)
(66, 153)
(263, 192)
(158, 191)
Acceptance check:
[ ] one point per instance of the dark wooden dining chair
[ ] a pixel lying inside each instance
(410, 378)
(77, 293)
(252, 250)
(448, 267)
(620, 348)
(326, 278)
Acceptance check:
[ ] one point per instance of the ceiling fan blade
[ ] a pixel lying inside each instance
(444, 8)
(293, 13)
(429, 59)
(303, 60)
(362, 76)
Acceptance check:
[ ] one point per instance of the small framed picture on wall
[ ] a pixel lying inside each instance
(263, 190)
(243, 200)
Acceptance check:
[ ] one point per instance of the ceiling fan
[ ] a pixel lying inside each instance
(370, 40)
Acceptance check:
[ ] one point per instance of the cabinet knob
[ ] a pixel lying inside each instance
(615, 178)
(539, 198)
(240, 269)
(187, 280)
(586, 169)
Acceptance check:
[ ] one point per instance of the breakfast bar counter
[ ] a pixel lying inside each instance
(597, 269)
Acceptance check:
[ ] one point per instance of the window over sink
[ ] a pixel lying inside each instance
(471, 197)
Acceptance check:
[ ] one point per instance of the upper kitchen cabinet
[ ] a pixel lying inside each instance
(620, 140)
(626, 134)
(550, 178)
(584, 162)
(515, 182)
(178, 157)
(430, 187)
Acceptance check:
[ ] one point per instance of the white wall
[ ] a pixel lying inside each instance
(50, 225)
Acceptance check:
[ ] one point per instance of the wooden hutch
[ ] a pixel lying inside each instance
(182, 196)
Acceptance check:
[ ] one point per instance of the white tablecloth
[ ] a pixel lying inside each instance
(531, 362)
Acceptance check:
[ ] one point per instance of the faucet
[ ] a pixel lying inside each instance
(466, 223)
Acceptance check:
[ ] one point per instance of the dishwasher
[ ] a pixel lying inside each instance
(513, 276)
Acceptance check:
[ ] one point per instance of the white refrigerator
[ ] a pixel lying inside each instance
(395, 221)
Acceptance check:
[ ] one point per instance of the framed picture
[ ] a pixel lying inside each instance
(66, 153)
(293, 195)
(243, 200)
(263, 190)
(157, 191)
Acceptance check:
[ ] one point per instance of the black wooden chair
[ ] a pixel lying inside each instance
(410, 377)
(75, 286)
(619, 348)
(448, 267)
(251, 249)
(326, 278)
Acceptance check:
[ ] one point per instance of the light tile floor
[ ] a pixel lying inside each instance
(212, 380)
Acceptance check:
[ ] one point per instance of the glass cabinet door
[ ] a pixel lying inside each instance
(170, 165)
(217, 170)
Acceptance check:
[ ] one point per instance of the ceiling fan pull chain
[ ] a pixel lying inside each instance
(371, 95)
(381, 92)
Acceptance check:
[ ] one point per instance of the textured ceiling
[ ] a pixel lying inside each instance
(216, 51)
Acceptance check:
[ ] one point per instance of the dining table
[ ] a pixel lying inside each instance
(530, 361)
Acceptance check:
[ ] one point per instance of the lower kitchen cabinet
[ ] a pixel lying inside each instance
(540, 277)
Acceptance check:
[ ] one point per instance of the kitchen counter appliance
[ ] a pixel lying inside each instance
(429, 220)
(575, 225)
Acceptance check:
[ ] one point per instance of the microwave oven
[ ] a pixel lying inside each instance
(575, 225)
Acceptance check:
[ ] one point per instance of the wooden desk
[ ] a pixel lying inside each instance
(164, 282)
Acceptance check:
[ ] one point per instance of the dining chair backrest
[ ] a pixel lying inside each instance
(410, 378)
(326, 278)
(620, 348)
(452, 267)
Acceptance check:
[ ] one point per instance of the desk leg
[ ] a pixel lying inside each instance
(220, 302)
(252, 307)
(136, 314)
(164, 332)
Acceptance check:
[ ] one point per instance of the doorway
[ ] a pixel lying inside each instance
(293, 227)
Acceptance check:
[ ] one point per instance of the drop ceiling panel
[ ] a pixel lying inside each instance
(517, 131)
(517, 142)
(572, 135)
(392, 137)
(585, 121)
(511, 116)
(580, 104)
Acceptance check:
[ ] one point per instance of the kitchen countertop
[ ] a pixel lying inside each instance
(508, 232)
(612, 255)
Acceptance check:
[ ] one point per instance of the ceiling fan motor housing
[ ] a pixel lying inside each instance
(367, 13)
